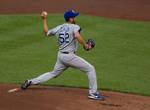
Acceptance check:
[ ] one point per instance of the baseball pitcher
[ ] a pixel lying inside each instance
(68, 35)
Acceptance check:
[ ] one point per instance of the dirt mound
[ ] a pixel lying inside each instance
(60, 98)
(126, 9)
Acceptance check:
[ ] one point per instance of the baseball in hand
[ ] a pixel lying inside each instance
(44, 14)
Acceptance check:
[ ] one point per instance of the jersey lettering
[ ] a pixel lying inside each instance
(63, 38)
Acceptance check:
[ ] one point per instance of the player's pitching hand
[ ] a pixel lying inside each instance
(44, 14)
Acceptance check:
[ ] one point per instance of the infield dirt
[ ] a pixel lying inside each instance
(63, 98)
(126, 9)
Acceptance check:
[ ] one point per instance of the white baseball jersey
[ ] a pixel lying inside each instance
(65, 36)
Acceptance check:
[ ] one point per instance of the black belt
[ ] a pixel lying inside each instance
(67, 52)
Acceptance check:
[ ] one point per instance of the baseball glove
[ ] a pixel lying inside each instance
(91, 44)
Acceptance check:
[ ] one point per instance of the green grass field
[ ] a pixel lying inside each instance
(121, 56)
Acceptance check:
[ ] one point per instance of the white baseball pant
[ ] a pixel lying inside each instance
(70, 60)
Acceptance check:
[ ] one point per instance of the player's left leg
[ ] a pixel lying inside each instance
(83, 65)
(86, 67)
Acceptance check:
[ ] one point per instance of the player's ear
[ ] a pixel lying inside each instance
(71, 19)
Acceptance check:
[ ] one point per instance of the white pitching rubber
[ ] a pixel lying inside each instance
(13, 90)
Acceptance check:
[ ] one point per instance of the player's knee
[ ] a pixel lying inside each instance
(91, 72)
(56, 73)
(91, 68)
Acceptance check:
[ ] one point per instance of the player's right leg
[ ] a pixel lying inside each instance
(58, 69)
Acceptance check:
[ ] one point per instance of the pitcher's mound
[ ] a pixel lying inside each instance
(62, 98)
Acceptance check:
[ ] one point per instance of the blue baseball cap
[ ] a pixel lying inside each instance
(70, 14)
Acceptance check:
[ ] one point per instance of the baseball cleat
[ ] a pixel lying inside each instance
(96, 96)
(25, 85)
